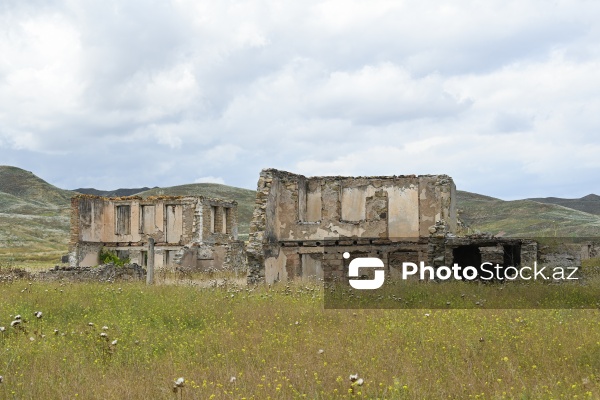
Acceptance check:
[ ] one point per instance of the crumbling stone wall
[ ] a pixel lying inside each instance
(294, 214)
(101, 273)
(300, 224)
(590, 250)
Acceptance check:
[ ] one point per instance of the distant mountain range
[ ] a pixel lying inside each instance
(589, 204)
(112, 193)
(34, 215)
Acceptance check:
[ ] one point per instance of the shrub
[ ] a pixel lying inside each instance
(110, 257)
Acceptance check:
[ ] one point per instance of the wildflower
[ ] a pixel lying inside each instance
(2, 329)
(18, 316)
(105, 328)
(360, 382)
(114, 342)
(179, 383)
(15, 322)
(56, 331)
(104, 335)
(427, 314)
(353, 378)
(1, 378)
(584, 381)
(232, 379)
(321, 351)
(38, 314)
(32, 339)
(90, 324)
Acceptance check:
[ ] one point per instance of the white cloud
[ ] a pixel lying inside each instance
(494, 93)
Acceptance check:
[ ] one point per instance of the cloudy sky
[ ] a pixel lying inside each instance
(504, 96)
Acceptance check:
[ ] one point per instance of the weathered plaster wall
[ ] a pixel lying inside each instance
(294, 208)
(174, 222)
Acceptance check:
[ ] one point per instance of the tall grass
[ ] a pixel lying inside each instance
(280, 343)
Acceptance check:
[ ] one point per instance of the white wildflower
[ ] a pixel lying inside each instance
(15, 322)
(232, 379)
(18, 316)
(38, 314)
(90, 324)
(360, 382)
(114, 342)
(321, 351)
(353, 378)
(179, 382)
(105, 328)
(1, 378)
(104, 335)
(2, 329)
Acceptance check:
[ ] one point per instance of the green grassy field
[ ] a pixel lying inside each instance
(280, 343)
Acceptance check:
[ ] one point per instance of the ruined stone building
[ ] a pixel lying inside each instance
(300, 223)
(193, 231)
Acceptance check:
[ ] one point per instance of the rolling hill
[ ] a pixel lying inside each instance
(111, 193)
(589, 204)
(524, 217)
(34, 215)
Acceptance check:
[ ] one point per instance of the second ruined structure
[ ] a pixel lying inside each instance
(193, 231)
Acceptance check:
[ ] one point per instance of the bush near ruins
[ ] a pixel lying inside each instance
(110, 257)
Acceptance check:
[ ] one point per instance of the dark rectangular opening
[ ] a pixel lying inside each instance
(512, 255)
(466, 256)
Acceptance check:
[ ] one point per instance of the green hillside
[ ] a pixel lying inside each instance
(111, 193)
(26, 186)
(34, 218)
(589, 204)
(524, 217)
